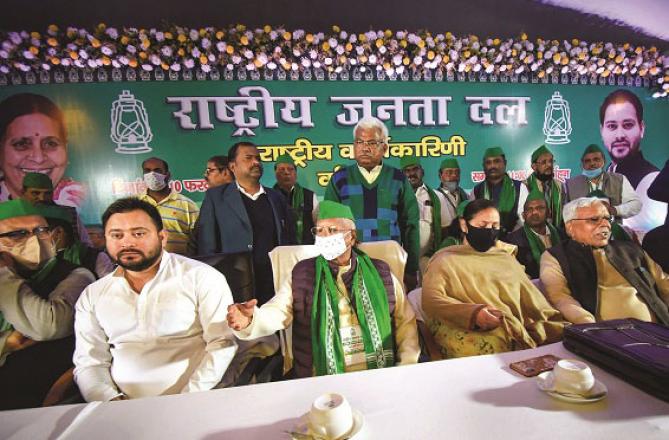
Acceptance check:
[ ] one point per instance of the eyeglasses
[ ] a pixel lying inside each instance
(372, 143)
(211, 170)
(594, 221)
(331, 230)
(22, 234)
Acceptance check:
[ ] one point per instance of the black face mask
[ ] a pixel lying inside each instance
(544, 177)
(481, 239)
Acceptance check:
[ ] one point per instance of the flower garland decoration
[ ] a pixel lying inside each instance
(275, 53)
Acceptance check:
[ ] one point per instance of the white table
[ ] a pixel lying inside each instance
(471, 398)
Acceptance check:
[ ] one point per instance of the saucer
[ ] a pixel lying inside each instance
(356, 433)
(545, 384)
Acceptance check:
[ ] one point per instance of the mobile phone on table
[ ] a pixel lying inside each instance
(535, 366)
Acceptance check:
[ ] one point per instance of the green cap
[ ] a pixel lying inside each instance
(285, 158)
(409, 161)
(593, 148)
(493, 152)
(599, 194)
(19, 208)
(37, 180)
(330, 209)
(539, 151)
(449, 163)
(535, 194)
(460, 210)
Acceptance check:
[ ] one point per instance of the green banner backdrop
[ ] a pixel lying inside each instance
(112, 127)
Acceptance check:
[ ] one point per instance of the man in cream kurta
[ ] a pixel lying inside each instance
(163, 334)
(250, 322)
(590, 278)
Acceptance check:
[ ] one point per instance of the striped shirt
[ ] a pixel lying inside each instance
(179, 214)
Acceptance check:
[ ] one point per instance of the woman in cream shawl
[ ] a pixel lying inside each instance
(477, 297)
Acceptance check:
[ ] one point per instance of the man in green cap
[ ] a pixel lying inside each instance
(302, 202)
(623, 201)
(381, 198)
(38, 190)
(430, 222)
(38, 292)
(449, 192)
(501, 189)
(536, 235)
(374, 324)
(543, 180)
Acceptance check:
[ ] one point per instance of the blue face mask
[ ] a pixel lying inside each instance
(592, 174)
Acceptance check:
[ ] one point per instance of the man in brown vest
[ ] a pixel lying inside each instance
(624, 202)
(374, 325)
(590, 278)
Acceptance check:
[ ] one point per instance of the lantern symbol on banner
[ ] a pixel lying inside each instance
(557, 120)
(130, 129)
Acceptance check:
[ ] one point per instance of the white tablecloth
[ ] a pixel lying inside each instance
(471, 398)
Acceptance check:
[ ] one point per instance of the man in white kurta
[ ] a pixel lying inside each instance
(170, 336)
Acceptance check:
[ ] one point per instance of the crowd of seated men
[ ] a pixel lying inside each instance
(136, 314)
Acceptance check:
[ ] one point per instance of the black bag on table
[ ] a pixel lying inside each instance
(636, 351)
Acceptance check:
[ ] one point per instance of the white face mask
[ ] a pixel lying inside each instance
(155, 181)
(331, 246)
(32, 253)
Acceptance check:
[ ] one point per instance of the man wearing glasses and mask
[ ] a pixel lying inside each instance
(590, 277)
(37, 296)
(374, 324)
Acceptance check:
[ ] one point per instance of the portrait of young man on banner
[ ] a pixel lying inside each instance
(622, 128)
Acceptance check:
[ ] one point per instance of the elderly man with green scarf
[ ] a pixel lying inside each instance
(536, 235)
(302, 202)
(505, 192)
(348, 311)
(543, 180)
(37, 295)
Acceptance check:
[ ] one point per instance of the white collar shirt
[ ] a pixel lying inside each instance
(253, 197)
(170, 338)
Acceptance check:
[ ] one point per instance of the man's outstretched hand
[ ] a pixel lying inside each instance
(240, 315)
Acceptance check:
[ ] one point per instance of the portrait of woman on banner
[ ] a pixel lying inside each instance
(33, 138)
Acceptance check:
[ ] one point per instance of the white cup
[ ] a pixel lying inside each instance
(572, 376)
(330, 416)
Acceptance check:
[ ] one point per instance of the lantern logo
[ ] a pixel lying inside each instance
(130, 129)
(557, 120)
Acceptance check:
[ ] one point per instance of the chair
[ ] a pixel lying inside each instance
(238, 271)
(431, 351)
(284, 258)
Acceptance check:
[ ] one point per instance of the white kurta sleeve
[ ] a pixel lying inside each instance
(37, 318)
(92, 356)
(214, 297)
(522, 197)
(276, 314)
(631, 203)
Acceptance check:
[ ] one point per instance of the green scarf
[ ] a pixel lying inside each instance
(436, 220)
(450, 241)
(37, 278)
(507, 198)
(536, 245)
(75, 253)
(297, 203)
(555, 203)
(372, 311)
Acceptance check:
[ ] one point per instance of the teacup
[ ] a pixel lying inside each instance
(330, 416)
(572, 376)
